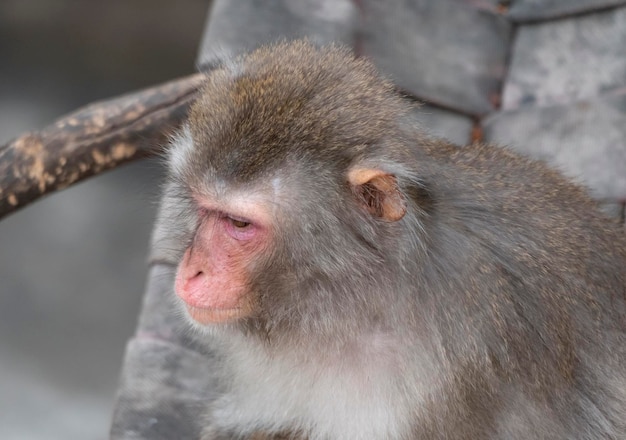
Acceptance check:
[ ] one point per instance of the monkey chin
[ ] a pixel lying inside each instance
(207, 316)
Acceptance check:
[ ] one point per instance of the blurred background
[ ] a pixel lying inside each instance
(72, 266)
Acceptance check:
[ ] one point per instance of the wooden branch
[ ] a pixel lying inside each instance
(93, 139)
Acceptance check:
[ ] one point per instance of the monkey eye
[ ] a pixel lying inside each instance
(238, 228)
(240, 224)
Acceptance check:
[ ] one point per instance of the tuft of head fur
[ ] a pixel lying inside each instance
(291, 100)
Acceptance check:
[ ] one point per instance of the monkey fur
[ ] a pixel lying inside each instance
(380, 283)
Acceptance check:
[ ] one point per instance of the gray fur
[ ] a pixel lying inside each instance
(494, 309)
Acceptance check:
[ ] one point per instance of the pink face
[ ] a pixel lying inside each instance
(213, 275)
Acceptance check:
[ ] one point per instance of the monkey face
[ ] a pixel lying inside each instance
(288, 204)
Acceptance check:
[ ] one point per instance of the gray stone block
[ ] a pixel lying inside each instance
(528, 10)
(587, 141)
(442, 123)
(166, 382)
(445, 52)
(564, 61)
(495, 6)
(160, 317)
(238, 26)
(164, 392)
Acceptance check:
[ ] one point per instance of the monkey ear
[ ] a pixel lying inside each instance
(378, 193)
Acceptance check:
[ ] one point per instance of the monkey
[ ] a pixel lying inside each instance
(361, 279)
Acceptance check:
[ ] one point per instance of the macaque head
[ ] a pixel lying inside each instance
(292, 189)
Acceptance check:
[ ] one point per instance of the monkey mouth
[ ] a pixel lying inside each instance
(206, 316)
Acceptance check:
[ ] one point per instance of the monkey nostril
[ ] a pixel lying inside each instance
(194, 284)
(198, 275)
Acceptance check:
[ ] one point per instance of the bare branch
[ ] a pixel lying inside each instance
(91, 140)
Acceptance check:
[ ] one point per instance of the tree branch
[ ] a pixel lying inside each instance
(91, 140)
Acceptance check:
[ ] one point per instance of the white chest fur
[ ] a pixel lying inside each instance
(361, 393)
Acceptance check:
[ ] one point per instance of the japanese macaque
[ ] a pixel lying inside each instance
(364, 281)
